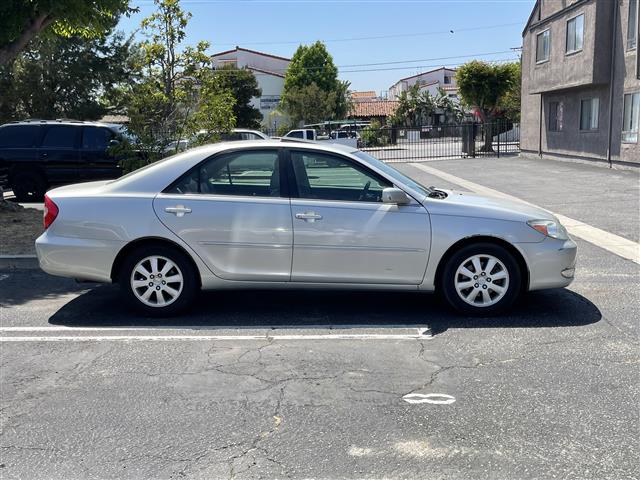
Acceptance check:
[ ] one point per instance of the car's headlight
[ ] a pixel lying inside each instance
(549, 228)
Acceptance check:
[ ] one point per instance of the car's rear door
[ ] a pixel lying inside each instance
(59, 153)
(343, 233)
(234, 214)
(96, 160)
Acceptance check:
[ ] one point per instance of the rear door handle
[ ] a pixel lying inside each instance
(178, 210)
(308, 216)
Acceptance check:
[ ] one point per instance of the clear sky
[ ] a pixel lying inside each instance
(417, 33)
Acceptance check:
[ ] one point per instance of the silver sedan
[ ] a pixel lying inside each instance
(272, 214)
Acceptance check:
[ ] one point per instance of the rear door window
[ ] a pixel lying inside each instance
(60, 136)
(252, 173)
(18, 136)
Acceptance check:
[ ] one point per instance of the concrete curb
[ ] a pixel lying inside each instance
(24, 262)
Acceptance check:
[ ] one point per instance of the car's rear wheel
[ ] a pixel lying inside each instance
(158, 280)
(481, 279)
(28, 186)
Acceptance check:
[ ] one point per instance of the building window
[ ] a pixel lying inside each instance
(556, 116)
(589, 110)
(542, 46)
(447, 79)
(631, 118)
(632, 25)
(575, 34)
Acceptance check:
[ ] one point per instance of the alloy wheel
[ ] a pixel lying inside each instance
(481, 280)
(157, 281)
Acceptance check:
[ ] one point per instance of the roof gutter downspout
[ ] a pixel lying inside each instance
(612, 76)
(540, 129)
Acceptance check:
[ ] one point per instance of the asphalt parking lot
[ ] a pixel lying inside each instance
(333, 385)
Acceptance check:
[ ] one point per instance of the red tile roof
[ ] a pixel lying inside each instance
(359, 95)
(380, 108)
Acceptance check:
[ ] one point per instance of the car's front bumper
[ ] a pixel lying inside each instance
(79, 258)
(551, 262)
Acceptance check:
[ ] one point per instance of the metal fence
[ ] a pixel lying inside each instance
(441, 141)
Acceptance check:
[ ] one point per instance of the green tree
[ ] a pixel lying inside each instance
(509, 104)
(309, 104)
(483, 87)
(23, 20)
(178, 89)
(243, 85)
(417, 107)
(312, 91)
(64, 77)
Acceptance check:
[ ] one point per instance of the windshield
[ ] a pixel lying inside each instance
(388, 169)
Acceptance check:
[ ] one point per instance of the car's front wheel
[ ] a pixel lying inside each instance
(481, 279)
(158, 280)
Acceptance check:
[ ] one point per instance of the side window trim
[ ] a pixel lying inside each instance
(199, 165)
(293, 183)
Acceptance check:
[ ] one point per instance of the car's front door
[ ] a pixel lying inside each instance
(344, 233)
(232, 212)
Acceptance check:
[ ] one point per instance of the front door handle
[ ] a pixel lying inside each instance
(308, 216)
(178, 210)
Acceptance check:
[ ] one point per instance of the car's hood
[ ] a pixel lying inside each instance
(469, 204)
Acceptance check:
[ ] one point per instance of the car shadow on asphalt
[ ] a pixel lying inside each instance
(101, 307)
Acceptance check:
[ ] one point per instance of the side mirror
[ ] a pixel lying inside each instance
(395, 196)
(114, 143)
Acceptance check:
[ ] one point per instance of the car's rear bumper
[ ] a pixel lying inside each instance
(551, 262)
(83, 259)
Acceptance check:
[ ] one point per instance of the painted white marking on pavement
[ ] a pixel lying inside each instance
(621, 246)
(434, 398)
(66, 328)
(165, 338)
(4, 276)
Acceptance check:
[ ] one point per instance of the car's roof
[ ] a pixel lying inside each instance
(79, 123)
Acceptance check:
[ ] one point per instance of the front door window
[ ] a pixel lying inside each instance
(326, 177)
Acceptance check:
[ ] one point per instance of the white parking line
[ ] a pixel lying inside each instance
(165, 338)
(621, 246)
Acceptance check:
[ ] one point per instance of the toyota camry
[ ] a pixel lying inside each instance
(287, 214)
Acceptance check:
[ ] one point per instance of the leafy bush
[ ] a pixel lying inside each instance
(374, 135)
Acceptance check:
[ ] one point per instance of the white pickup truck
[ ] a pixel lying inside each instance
(337, 136)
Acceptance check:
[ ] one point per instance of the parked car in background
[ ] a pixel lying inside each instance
(40, 154)
(243, 134)
(288, 214)
(234, 135)
(302, 134)
(341, 137)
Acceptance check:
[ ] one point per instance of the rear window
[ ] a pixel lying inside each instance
(18, 136)
(60, 136)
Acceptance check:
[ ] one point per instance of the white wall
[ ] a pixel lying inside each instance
(271, 85)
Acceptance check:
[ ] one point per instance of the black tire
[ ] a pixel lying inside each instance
(513, 282)
(28, 186)
(183, 300)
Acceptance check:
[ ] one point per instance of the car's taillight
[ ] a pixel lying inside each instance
(50, 211)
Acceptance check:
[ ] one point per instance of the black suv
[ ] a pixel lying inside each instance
(39, 154)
